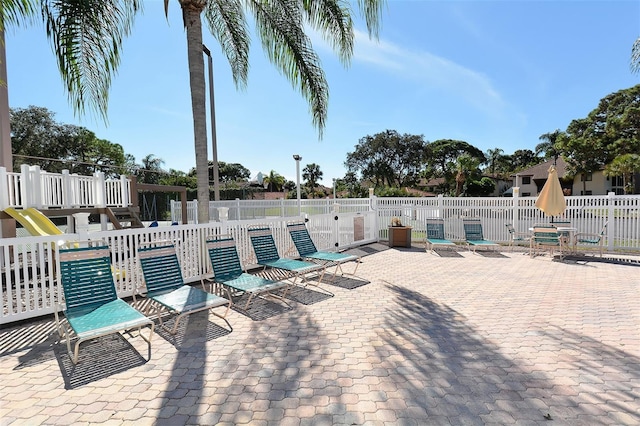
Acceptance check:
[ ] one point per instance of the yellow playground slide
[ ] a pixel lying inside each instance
(40, 225)
(35, 222)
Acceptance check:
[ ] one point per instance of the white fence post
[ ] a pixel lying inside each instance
(223, 214)
(173, 211)
(373, 205)
(99, 190)
(4, 184)
(238, 217)
(66, 189)
(516, 208)
(81, 225)
(195, 216)
(30, 187)
(36, 178)
(440, 201)
(125, 191)
(611, 214)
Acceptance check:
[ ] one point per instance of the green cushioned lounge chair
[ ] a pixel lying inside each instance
(167, 290)
(435, 235)
(267, 256)
(585, 238)
(228, 272)
(92, 307)
(307, 250)
(546, 238)
(473, 235)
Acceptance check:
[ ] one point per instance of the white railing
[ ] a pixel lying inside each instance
(588, 214)
(31, 187)
(256, 209)
(29, 265)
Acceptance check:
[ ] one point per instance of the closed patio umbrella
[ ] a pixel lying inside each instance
(551, 199)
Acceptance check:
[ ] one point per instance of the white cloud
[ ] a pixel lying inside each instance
(431, 72)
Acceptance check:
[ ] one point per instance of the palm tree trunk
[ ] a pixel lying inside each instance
(7, 226)
(193, 26)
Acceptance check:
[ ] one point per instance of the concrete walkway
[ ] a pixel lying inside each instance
(465, 338)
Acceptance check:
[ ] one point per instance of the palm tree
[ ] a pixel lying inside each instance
(548, 144)
(493, 158)
(465, 164)
(312, 174)
(151, 170)
(635, 56)
(275, 181)
(625, 165)
(87, 39)
(12, 12)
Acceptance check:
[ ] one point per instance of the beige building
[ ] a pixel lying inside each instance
(532, 180)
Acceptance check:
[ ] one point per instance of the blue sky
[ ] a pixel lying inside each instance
(492, 73)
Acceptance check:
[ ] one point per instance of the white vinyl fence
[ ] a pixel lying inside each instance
(33, 187)
(587, 214)
(257, 209)
(29, 265)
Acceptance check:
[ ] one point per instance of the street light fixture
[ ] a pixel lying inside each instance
(214, 142)
(298, 158)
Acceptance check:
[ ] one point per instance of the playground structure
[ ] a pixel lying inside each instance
(33, 221)
(33, 196)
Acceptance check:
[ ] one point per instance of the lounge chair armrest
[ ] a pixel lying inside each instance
(587, 235)
(208, 279)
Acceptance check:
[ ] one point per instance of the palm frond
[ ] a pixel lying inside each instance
(333, 19)
(281, 30)
(228, 24)
(372, 12)
(635, 56)
(13, 12)
(87, 36)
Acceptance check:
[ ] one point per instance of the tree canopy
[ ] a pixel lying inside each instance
(611, 130)
(312, 174)
(39, 140)
(388, 158)
(625, 165)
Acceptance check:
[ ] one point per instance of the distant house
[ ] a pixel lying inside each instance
(501, 185)
(597, 183)
(431, 186)
(532, 180)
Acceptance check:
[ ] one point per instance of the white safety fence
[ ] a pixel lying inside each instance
(29, 265)
(588, 214)
(32, 187)
(257, 209)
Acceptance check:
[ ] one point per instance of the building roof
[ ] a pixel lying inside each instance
(541, 171)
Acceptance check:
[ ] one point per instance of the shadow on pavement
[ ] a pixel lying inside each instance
(99, 358)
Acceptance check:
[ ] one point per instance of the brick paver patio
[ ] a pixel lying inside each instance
(458, 339)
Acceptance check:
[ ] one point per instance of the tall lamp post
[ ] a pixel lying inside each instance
(214, 142)
(334, 189)
(298, 158)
